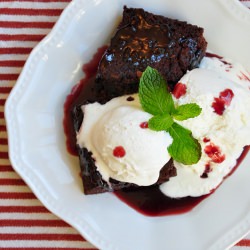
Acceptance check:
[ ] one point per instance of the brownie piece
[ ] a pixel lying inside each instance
(92, 179)
(144, 39)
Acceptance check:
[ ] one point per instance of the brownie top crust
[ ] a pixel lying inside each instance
(143, 39)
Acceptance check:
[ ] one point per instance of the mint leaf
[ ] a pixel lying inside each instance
(184, 148)
(153, 93)
(160, 122)
(156, 100)
(186, 111)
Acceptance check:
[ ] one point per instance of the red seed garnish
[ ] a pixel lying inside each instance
(179, 90)
(204, 175)
(218, 106)
(130, 99)
(207, 170)
(205, 139)
(220, 103)
(144, 125)
(214, 152)
(119, 152)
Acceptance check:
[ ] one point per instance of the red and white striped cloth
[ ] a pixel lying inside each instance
(24, 222)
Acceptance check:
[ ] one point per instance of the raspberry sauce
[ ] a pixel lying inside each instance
(151, 202)
(214, 152)
(148, 200)
(224, 100)
(144, 125)
(207, 170)
(218, 57)
(244, 76)
(80, 93)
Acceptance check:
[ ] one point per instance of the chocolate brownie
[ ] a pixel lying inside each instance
(92, 179)
(144, 39)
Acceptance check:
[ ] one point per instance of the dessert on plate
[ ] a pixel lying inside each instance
(142, 39)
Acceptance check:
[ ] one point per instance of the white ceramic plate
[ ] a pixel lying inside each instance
(34, 114)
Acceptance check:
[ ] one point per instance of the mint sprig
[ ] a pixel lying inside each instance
(184, 148)
(186, 111)
(154, 98)
(160, 122)
(157, 100)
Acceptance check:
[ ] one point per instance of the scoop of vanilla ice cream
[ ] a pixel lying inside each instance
(227, 69)
(122, 146)
(125, 150)
(222, 137)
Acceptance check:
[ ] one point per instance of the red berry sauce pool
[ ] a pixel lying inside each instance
(148, 200)
(80, 93)
(151, 201)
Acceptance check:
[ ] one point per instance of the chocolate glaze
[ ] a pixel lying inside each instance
(143, 39)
